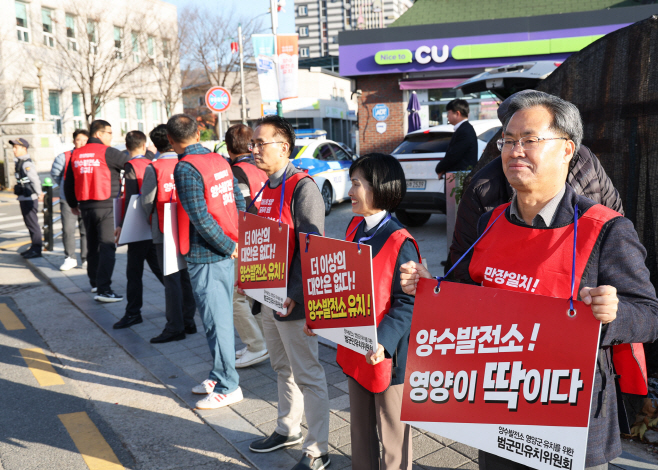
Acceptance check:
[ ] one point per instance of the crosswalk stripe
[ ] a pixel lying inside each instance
(9, 319)
(41, 368)
(96, 452)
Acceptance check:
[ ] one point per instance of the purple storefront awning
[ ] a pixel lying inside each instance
(432, 83)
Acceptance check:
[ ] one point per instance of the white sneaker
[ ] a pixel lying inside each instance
(240, 352)
(217, 400)
(69, 263)
(206, 387)
(84, 265)
(94, 290)
(250, 358)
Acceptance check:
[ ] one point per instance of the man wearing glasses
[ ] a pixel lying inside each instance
(535, 235)
(93, 179)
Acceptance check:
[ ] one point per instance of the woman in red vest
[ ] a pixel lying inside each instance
(376, 380)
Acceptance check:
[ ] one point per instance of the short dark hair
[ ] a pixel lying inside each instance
(134, 140)
(159, 138)
(384, 173)
(98, 125)
(458, 105)
(181, 127)
(238, 137)
(77, 132)
(282, 128)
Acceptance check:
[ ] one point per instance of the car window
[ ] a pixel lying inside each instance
(340, 153)
(432, 142)
(486, 136)
(323, 152)
(295, 151)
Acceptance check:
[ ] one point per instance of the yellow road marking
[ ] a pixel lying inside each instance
(9, 319)
(41, 367)
(95, 450)
(14, 245)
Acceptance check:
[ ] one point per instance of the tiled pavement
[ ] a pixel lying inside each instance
(182, 364)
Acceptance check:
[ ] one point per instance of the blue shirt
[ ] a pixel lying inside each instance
(208, 242)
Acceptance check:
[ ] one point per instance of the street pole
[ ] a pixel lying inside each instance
(242, 97)
(275, 21)
(43, 104)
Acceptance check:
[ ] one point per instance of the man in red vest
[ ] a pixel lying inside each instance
(301, 380)
(139, 251)
(535, 233)
(158, 188)
(93, 180)
(250, 181)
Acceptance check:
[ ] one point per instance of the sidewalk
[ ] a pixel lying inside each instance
(183, 364)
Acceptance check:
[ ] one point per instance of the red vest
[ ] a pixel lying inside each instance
(256, 177)
(218, 193)
(164, 173)
(539, 261)
(139, 165)
(93, 178)
(270, 203)
(376, 378)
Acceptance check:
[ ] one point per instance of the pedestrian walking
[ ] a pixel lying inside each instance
(28, 190)
(69, 220)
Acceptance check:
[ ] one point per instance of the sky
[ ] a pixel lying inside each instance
(248, 8)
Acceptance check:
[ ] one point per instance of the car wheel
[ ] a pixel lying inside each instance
(412, 219)
(327, 197)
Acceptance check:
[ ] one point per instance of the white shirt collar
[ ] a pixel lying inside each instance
(459, 124)
(373, 220)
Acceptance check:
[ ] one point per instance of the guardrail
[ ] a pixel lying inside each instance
(50, 205)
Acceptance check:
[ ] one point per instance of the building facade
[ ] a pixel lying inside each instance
(318, 22)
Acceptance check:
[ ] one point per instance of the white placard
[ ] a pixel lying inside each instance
(136, 227)
(173, 260)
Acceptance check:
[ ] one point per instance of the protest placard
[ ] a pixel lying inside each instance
(338, 291)
(263, 259)
(173, 259)
(506, 372)
(135, 225)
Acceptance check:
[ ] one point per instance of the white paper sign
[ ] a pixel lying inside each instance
(381, 127)
(173, 260)
(136, 226)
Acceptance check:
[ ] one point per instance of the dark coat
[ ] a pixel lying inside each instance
(462, 152)
(489, 189)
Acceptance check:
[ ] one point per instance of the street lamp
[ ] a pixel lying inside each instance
(39, 66)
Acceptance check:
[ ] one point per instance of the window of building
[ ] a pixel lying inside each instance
(123, 116)
(76, 102)
(55, 116)
(47, 20)
(22, 28)
(324, 31)
(29, 105)
(150, 46)
(155, 112)
(72, 42)
(91, 37)
(139, 111)
(303, 31)
(302, 10)
(324, 8)
(118, 38)
(303, 52)
(99, 109)
(135, 43)
(165, 52)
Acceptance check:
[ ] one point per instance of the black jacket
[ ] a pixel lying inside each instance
(462, 152)
(116, 160)
(489, 189)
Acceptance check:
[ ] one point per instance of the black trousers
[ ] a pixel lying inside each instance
(68, 232)
(179, 297)
(29, 210)
(138, 252)
(101, 250)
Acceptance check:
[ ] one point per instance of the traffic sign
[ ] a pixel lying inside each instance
(218, 99)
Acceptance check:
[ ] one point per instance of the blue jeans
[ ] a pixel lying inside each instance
(213, 292)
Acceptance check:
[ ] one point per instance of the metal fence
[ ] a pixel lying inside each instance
(50, 208)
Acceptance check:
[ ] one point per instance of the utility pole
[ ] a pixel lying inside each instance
(243, 99)
(39, 66)
(275, 23)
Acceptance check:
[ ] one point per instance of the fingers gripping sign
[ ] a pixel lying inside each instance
(411, 273)
(603, 300)
(374, 358)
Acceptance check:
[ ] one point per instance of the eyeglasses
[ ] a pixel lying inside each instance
(527, 143)
(259, 145)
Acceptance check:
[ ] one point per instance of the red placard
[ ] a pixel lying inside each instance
(338, 291)
(263, 252)
(506, 372)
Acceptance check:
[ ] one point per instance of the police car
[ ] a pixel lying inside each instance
(326, 161)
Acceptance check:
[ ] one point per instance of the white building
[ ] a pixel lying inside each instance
(318, 22)
(58, 57)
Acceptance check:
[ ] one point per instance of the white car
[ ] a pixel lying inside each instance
(419, 154)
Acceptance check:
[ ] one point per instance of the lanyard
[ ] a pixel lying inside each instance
(365, 239)
(283, 192)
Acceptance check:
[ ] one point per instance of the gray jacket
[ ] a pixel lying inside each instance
(57, 173)
(30, 168)
(149, 197)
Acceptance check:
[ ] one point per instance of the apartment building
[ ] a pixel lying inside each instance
(318, 22)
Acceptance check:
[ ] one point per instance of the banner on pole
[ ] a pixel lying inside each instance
(136, 226)
(506, 372)
(173, 259)
(287, 46)
(338, 291)
(263, 259)
(265, 55)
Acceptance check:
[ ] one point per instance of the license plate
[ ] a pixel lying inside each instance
(416, 184)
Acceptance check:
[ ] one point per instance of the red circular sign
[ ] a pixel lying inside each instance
(218, 99)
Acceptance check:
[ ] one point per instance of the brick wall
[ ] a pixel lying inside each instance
(380, 89)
